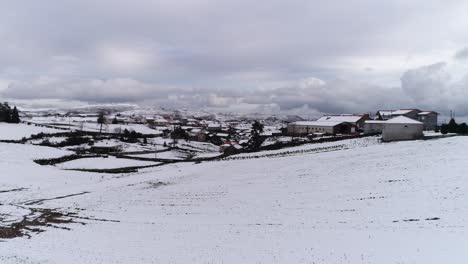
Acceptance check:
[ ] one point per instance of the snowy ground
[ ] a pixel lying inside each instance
(315, 147)
(18, 131)
(401, 202)
(90, 124)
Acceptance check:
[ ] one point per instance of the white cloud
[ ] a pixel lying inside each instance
(124, 59)
(4, 84)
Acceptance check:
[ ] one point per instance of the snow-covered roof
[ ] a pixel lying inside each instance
(341, 118)
(402, 120)
(385, 112)
(374, 121)
(428, 112)
(318, 123)
(402, 111)
(237, 146)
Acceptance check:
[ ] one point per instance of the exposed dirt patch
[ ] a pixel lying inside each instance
(63, 159)
(392, 181)
(122, 170)
(35, 223)
(417, 220)
(155, 185)
(370, 198)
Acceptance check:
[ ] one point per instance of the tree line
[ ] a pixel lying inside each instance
(8, 114)
(454, 127)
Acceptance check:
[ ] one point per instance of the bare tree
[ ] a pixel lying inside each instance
(101, 120)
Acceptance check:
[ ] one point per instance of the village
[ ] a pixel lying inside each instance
(114, 171)
(179, 135)
(236, 130)
(125, 139)
(141, 137)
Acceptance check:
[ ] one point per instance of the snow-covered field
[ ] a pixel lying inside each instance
(399, 202)
(18, 131)
(90, 124)
(111, 128)
(315, 147)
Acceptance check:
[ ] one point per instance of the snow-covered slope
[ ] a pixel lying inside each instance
(399, 202)
(18, 131)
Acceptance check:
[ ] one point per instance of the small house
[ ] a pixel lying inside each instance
(197, 134)
(429, 119)
(384, 114)
(410, 113)
(214, 127)
(230, 148)
(402, 128)
(389, 114)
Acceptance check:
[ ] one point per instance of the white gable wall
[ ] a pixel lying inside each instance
(401, 131)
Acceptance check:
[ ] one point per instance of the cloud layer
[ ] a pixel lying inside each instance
(299, 55)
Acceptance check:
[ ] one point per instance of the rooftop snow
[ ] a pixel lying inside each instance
(318, 123)
(427, 113)
(402, 111)
(402, 120)
(374, 121)
(385, 112)
(341, 118)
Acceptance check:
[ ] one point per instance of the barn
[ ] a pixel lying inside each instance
(402, 128)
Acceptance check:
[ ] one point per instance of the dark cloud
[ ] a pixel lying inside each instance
(433, 87)
(462, 54)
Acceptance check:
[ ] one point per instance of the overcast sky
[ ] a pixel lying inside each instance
(296, 56)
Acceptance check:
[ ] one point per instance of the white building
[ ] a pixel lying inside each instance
(428, 118)
(304, 128)
(357, 120)
(402, 128)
